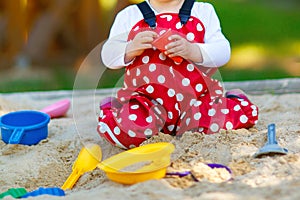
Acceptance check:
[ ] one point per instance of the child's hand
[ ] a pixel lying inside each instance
(141, 42)
(179, 46)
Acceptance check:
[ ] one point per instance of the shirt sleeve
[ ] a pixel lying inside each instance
(113, 50)
(216, 48)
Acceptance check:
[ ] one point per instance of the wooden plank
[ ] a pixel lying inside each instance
(275, 86)
(280, 86)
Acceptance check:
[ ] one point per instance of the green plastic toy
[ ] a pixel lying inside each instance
(14, 192)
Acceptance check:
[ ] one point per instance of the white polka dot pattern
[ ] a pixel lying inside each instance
(146, 59)
(188, 120)
(167, 17)
(161, 79)
(134, 107)
(214, 127)
(132, 117)
(179, 97)
(170, 115)
(190, 37)
(229, 125)
(149, 119)
(152, 67)
(162, 56)
(148, 132)
(160, 101)
(211, 112)
(171, 92)
(243, 119)
(117, 130)
(237, 108)
(190, 67)
(186, 82)
(199, 87)
(150, 89)
(225, 111)
(131, 133)
(134, 82)
(178, 25)
(199, 27)
(171, 127)
(197, 116)
(146, 79)
(138, 72)
(244, 103)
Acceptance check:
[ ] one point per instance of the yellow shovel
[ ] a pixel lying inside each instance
(86, 161)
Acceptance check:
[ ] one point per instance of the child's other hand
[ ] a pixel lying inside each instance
(141, 42)
(179, 46)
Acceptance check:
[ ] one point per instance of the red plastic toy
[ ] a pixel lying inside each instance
(161, 42)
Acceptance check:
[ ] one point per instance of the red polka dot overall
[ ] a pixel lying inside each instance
(160, 95)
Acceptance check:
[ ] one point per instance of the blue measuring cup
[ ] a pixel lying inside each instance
(26, 127)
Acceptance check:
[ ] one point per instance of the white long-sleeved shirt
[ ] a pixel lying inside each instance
(215, 49)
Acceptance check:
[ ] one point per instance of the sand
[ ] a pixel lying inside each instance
(49, 163)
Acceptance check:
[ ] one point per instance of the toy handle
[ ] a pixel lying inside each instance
(72, 179)
(271, 134)
(16, 136)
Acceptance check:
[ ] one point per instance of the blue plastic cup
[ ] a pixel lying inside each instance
(24, 127)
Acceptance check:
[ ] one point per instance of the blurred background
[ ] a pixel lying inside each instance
(43, 42)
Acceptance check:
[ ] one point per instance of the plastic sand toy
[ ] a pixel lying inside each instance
(87, 160)
(29, 127)
(271, 147)
(211, 165)
(45, 191)
(24, 127)
(14, 192)
(161, 42)
(57, 109)
(139, 164)
(129, 167)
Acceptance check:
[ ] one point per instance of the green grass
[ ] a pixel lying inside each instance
(273, 26)
(256, 21)
(56, 78)
(111, 78)
(270, 72)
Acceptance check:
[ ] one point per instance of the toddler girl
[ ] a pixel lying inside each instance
(162, 93)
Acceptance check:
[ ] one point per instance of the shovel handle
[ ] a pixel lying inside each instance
(271, 134)
(72, 179)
